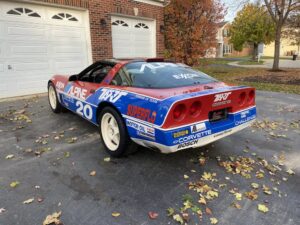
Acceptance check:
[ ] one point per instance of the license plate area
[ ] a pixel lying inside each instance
(218, 115)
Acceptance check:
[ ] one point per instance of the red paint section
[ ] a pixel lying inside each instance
(234, 101)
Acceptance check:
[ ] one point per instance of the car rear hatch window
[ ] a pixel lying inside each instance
(163, 75)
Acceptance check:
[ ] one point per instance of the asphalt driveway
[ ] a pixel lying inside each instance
(47, 159)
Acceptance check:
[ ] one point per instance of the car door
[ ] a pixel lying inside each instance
(82, 90)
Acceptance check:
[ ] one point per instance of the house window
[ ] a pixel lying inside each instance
(23, 11)
(141, 25)
(227, 49)
(65, 16)
(225, 33)
(120, 23)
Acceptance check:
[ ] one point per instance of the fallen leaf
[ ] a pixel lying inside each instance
(186, 217)
(255, 185)
(178, 218)
(67, 154)
(9, 156)
(238, 196)
(28, 201)
(208, 211)
(53, 219)
(14, 184)
(107, 159)
(93, 173)
(202, 200)
(263, 208)
(213, 220)
(153, 215)
(202, 161)
(40, 199)
(170, 211)
(116, 214)
(2, 210)
(236, 205)
(186, 176)
(290, 172)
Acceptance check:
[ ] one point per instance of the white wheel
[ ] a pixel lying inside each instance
(110, 131)
(52, 97)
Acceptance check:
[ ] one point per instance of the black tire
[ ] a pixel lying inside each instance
(126, 145)
(58, 107)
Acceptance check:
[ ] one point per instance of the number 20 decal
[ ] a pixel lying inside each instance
(84, 110)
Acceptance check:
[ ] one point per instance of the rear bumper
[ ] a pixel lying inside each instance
(194, 143)
(194, 135)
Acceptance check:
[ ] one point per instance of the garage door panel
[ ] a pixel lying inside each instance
(33, 49)
(136, 39)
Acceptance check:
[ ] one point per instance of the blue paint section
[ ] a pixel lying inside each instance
(142, 129)
(166, 137)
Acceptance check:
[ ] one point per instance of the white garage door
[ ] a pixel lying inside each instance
(133, 38)
(37, 42)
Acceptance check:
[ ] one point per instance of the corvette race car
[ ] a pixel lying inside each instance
(157, 104)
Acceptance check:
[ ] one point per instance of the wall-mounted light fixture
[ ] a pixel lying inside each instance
(162, 28)
(103, 23)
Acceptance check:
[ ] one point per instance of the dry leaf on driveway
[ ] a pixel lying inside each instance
(263, 208)
(153, 215)
(53, 219)
(93, 173)
(28, 201)
(14, 184)
(116, 214)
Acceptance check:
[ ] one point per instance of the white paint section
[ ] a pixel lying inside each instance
(201, 142)
(133, 38)
(34, 48)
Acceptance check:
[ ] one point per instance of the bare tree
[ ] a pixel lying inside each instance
(279, 11)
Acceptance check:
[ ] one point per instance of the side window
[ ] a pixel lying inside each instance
(121, 79)
(96, 74)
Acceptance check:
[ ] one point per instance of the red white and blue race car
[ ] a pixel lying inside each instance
(157, 104)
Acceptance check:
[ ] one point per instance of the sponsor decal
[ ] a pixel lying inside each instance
(185, 76)
(198, 127)
(60, 85)
(143, 130)
(245, 120)
(244, 114)
(145, 135)
(154, 66)
(180, 133)
(111, 95)
(192, 137)
(78, 92)
(221, 99)
(67, 98)
(141, 113)
(187, 144)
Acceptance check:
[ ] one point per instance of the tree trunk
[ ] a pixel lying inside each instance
(255, 50)
(277, 48)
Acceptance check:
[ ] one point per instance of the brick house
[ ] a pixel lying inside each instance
(39, 38)
(224, 47)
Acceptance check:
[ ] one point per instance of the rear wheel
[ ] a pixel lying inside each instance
(113, 132)
(53, 100)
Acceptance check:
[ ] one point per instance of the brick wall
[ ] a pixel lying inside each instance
(101, 9)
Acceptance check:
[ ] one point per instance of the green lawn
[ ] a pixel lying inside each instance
(235, 76)
(250, 62)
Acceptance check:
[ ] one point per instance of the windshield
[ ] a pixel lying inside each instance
(162, 75)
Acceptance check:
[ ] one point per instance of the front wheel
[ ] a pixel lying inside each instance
(113, 132)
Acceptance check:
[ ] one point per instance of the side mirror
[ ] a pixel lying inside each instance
(73, 78)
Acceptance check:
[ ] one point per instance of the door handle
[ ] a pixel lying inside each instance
(9, 67)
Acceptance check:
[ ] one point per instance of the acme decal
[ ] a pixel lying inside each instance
(141, 113)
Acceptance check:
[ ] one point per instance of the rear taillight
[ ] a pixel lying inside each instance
(251, 97)
(179, 112)
(242, 98)
(195, 109)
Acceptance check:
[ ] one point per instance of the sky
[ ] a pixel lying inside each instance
(233, 7)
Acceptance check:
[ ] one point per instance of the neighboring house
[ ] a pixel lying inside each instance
(39, 38)
(224, 47)
(286, 49)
